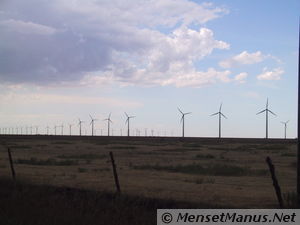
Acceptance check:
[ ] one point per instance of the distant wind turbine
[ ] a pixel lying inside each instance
(182, 119)
(92, 123)
(55, 129)
(267, 116)
(79, 124)
(127, 121)
(47, 129)
(108, 123)
(62, 129)
(285, 125)
(70, 128)
(220, 118)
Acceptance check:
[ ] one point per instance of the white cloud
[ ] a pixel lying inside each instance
(274, 74)
(26, 27)
(240, 78)
(20, 99)
(198, 78)
(142, 42)
(244, 58)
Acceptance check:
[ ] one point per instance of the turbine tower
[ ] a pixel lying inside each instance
(220, 118)
(127, 121)
(47, 128)
(79, 124)
(62, 129)
(108, 123)
(182, 119)
(92, 123)
(267, 116)
(285, 125)
(70, 127)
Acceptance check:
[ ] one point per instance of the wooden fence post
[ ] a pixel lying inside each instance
(275, 182)
(115, 172)
(11, 165)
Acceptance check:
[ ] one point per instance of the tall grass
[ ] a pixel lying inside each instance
(46, 162)
(211, 169)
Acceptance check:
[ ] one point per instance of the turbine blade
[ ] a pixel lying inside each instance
(109, 115)
(220, 107)
(261, 112)
(127, 120)
(223, 115)
(267, 103)
(181, 119)
(287, 121)
(214, 114)
(91, 117)
(272, 112)
(179, 110)
(187, 113)
(126, 114)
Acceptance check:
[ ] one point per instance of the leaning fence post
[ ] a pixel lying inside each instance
(115, 172)
(275, 182)
(11, 165)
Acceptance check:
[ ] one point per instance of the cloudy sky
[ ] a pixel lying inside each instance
(61, 60)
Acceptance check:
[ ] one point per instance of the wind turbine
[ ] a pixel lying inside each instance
(92, 123)
(47, 128)
(285, 125)
(62, 129)
(220, 118)
(267, 116)
(79, 124)
(182, 119)
(55, 130)
(70, 127)
(108, 123)
(127, 121)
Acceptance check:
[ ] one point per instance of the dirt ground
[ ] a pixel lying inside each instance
(227, 172)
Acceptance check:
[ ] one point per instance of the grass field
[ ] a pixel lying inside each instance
(207, 171)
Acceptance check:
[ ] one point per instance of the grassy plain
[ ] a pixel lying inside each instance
(226, 173)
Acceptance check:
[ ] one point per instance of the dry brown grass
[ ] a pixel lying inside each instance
(93, 168)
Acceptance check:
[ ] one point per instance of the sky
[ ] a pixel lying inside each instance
(62, 60)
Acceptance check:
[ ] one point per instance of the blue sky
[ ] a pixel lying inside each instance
(63, 60)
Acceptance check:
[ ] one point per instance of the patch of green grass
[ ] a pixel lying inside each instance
(208, 180)
(274, 147)
(211, 169)
(122, 147)
(205, 156)
(82, 156)
(288, 154)
(192, 145)
(46, 162)
(181, 150)
(22, 146)
(101, 169)
(82, 170)
(62, 143)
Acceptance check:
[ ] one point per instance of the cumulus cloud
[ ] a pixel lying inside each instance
(274, 74)
(22, 27)
(240, 78)
(244, 58)
(132, 42)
